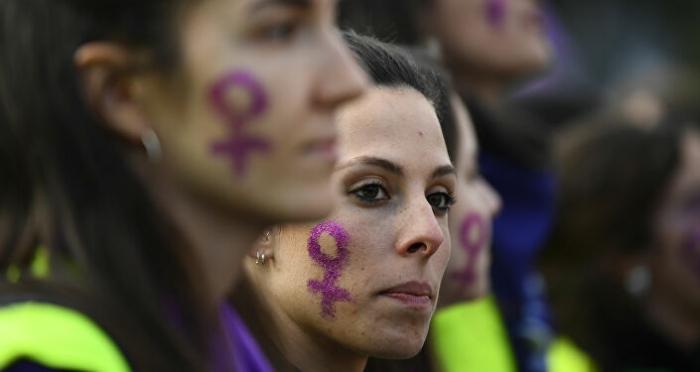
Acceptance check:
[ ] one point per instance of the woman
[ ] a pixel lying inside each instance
(365, 281)
(466, 284)
(144, 147)
(488, 47)
(622, 263)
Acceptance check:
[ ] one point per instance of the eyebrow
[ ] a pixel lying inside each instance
(393, 167)
(304, 4)
(443, 171)
(375, 162)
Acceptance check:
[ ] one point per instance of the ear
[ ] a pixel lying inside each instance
(266, 244)
(112, 87)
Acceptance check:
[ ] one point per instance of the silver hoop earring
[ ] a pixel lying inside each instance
(257, 259)
(151, 143)
(638, 281)
(263, 259)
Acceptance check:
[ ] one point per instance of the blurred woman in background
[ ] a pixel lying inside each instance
(143, 148)
(365, 281)
(623, 263)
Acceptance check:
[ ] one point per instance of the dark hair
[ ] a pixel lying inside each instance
(392, 66)
(393, 21)
(612, 178)
(66, 183)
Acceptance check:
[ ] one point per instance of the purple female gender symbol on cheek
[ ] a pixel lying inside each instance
(495, 12)
(330, 293)
(472, 247)
(239, 145)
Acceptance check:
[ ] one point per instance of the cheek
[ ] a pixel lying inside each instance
(473, 237)
(495, 13)
(327, 288)
(238, 99)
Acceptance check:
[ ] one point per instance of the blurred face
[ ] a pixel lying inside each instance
(503, 38)
(366, 279)
(467, 275)
(676, 266)
(251, 127)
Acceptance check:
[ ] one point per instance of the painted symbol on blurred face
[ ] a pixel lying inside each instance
(472, 235)
(330, 292)
(238, 98)
(495, 12)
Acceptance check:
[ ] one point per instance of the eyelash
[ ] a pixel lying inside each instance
(449, 201)
(286, 28)
(374, 183)
(443, 207)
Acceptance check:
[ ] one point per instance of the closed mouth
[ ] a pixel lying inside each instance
(411, 293)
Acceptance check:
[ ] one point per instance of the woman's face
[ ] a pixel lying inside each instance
(251, 127)
(675, 267)
(467, 275)
(490, 37)
(366, 279)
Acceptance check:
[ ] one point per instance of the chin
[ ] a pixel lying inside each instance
(477, 290)
(398, 351)
(398, 345)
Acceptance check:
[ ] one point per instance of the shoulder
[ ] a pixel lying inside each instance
(41, 334)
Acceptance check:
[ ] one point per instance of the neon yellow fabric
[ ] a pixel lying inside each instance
(40, 263)
(564, 356)
(471, 336)
(56, 337)
(39, 266)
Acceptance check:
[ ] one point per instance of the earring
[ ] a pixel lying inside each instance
(151, 143)
(263, 259)
(257, 259)
(638, 281)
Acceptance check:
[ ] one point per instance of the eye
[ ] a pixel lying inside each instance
(372, 192)
(282, 30)
(441, 201)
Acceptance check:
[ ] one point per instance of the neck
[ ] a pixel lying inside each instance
(681, 327)
(220, 240)
(487, 87)
(311, 352)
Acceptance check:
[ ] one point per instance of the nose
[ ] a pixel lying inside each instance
(340, 78)
(420, 232)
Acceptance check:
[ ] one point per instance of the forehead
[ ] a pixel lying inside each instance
(395, 123)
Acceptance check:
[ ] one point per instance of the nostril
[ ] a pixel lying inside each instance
(415, 247)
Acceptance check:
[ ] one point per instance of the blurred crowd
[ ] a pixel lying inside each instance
(352, 185)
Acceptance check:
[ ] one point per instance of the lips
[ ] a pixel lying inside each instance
(413, 293)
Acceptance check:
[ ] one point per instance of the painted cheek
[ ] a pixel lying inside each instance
(495, 12)
(239, 145)
(329, 291)
(473, 236)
